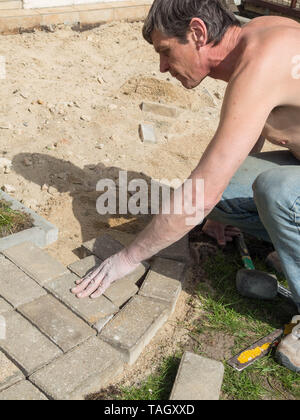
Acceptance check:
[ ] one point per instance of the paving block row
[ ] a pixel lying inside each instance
(164, 281)
(22, 391)
(198, 378)
(10, 374)
(84, 370)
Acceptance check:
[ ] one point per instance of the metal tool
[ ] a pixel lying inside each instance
(249, 274)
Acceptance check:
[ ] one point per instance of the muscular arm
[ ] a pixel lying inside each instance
(236, 136)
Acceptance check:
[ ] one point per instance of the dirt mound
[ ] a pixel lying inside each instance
(152, 89)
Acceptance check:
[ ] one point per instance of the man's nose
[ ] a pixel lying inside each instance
(164, 65)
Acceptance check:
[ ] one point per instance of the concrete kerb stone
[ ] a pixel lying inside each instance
(35, 262)
(42, 233)
(198, 378)
(135, 325)
(22, 391)
(84, 370)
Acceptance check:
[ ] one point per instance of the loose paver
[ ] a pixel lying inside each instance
(160, 109)
(198, 378)
(91, 310)
(35, 262)
(135, 325)
(15, 286)
(57, 322)
(22, 391)
(147, 133)
(9, 372)
(179, 251)
(4, 306)
(164, 281)
(26, 345)
(85, 369)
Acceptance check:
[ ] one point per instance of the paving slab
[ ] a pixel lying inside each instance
(179, 251)
(57, 322)
(198, 378)
(15, 286)
(82, 267)
(135, 325)
(4, 306)
(35, 262)
(26, 345)
(164, 281)
(101, 323)
(9, 372)
(103, 247)
(90, 310)
(22, 391)
(82, 371)
(124, 238)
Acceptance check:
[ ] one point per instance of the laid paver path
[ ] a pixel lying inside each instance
(59, 347)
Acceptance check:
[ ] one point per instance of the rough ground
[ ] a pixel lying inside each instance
(69, 116)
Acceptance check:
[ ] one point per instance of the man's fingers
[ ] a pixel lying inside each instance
(86, 280)
(92, 287)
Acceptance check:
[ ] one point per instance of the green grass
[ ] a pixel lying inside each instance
(12, 221)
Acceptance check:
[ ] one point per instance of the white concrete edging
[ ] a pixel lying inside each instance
(42, 233)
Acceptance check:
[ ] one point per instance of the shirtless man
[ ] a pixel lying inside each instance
(258, 193)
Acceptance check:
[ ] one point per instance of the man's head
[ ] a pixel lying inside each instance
(180, 29)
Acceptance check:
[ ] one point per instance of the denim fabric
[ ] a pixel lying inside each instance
(263, 200)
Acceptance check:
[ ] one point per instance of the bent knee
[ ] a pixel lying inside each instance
(278, 186)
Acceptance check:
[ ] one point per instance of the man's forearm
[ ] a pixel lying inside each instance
(166, 229)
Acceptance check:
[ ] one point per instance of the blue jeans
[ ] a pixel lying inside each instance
(263, 200)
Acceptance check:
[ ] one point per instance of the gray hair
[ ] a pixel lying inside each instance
(173, 17)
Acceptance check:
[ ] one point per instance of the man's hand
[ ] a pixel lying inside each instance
(96, 282)
(222, 233)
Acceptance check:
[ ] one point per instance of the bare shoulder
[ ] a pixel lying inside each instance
(268, 46)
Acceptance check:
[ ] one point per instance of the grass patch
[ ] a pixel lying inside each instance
(12, 221)
(247, 321)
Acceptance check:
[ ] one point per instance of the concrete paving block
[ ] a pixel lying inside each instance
(9, 373)
(4, 306)
(147, 133)
(103, 247)
(22, 391)
(135, 325)
(101, 323)
(124, 238)
(26, 345)
(179, 251)
(57, 322)
(160, 109)
(82, 371)
(122, 290)
(35, 262)
(198, 378)
(90, 310)
(82, 267)
(17, 287)
(164, 281)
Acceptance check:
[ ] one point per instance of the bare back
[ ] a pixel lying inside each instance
(278, 39)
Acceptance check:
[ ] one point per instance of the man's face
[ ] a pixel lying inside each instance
(182, 61)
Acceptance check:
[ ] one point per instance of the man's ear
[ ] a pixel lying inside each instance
(198, 32)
